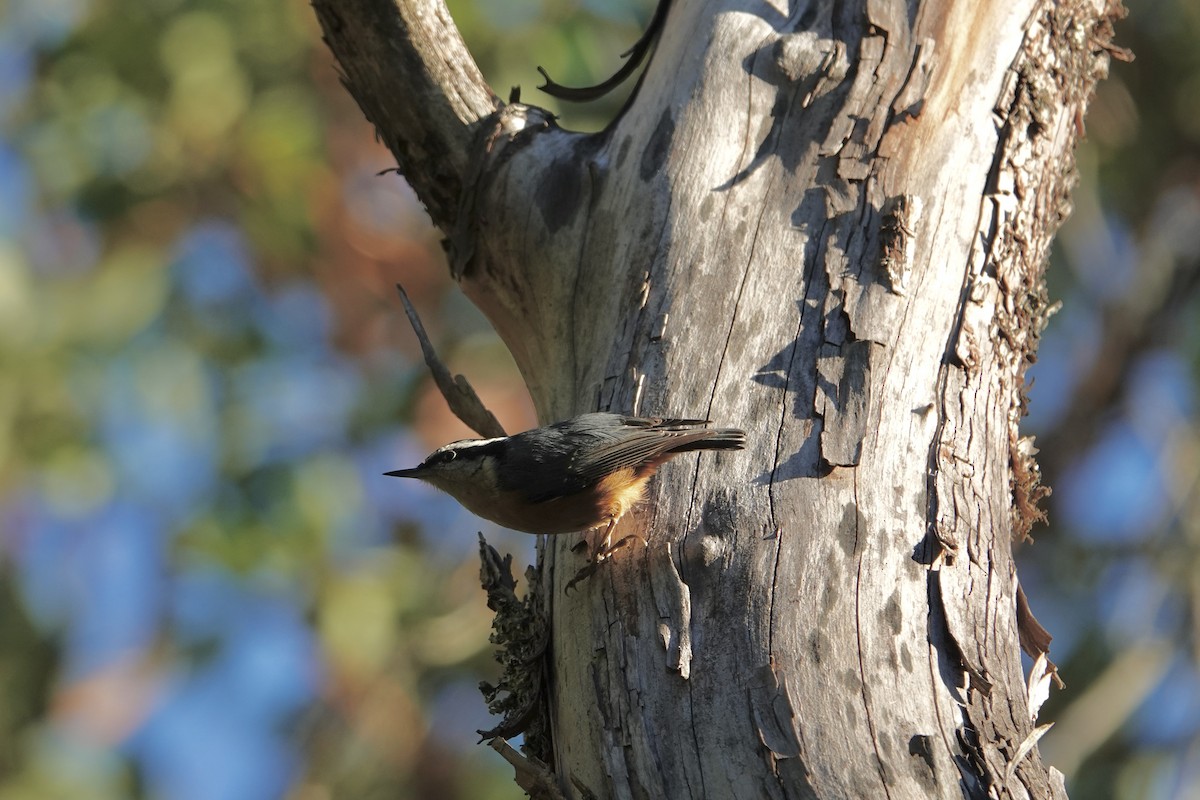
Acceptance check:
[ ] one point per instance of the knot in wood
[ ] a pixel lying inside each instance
(704, 550)
(806, 55)
(516, 117)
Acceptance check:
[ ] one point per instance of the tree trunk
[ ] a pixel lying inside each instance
(827, 225)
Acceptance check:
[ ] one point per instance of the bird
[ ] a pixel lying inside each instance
(575, 475)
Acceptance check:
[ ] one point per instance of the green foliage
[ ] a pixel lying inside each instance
(204, 373)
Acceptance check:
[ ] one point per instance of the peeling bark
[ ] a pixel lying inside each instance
(826, 224)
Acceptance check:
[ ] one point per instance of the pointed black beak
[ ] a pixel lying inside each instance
(415, 472)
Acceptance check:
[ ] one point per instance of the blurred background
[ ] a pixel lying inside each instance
(207, 588)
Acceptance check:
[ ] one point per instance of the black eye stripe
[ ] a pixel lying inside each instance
(443, 457)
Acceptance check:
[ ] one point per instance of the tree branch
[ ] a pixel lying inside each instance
(410, 72)
(457, 390)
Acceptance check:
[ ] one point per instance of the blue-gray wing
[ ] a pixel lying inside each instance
(575, 455)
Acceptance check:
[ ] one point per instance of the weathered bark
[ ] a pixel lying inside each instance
(827, 225)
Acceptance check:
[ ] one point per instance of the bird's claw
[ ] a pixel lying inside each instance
(602, 554)
(606, 552)
(583, 574)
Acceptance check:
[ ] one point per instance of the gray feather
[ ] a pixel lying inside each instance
(587, 448)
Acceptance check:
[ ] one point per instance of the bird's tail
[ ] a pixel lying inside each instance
(716, 439)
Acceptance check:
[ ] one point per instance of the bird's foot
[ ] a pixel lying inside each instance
(606, 550)
(598, 557)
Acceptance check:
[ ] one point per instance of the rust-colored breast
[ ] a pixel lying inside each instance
(607, 500)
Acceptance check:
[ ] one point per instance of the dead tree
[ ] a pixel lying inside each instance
(826, 223)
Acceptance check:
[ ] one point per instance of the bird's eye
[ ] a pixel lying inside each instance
(444, 457)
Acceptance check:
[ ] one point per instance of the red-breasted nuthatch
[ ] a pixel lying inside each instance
(570, 476)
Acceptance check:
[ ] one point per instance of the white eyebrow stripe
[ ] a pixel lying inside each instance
(469, 443)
